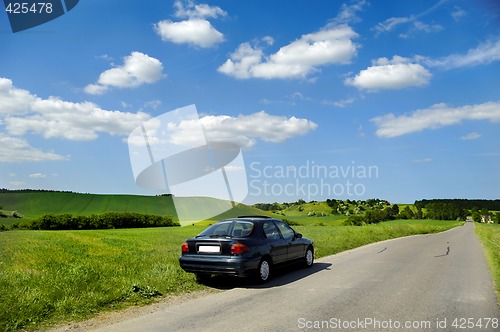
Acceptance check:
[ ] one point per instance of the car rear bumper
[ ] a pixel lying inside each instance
(227, 265)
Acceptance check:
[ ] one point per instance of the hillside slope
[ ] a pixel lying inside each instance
(35, 204)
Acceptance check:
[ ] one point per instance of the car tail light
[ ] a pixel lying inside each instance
(239, 248)
(185, 247)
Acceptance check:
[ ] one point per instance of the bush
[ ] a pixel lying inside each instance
(354, 221)
(103, 221)
(290, 222)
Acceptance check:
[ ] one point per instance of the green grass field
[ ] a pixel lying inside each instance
(490, 239)
(48, 277)
(31, 205)
(36, 204)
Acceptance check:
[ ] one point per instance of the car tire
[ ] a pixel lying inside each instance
(202, 278)
(309, 257)
(264, 271)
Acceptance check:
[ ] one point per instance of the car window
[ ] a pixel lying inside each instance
(271, 231)
(287, 233)
(242, 228)
(233, 228)
(219, 229)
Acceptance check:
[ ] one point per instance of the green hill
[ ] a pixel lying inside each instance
(34, 204)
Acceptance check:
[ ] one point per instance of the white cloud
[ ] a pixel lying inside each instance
(268, 40)
(437, 116)
(398, 73)
(243, 130)
(339, 103)
(154, 104)
(421, 26)
(347, 13)
(391, 23)
(196, 30)
(56, 118)
(12, 100)
(458, 13)
(95, 89)
(38, 175)
(332, 45)
(470, 136)
(16, 150)
(192, 10)
(485, 53)
(137, 69)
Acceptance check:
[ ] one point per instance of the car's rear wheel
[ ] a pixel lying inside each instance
(309, 257)
(264, 270)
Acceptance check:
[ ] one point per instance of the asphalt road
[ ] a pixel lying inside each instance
(434, 282)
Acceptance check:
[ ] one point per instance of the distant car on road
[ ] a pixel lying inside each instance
(243, 247)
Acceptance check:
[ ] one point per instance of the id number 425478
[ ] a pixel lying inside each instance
(475, 323)
(25, 8)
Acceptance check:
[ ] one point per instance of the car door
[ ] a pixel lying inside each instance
(295, 246)
(278, 246)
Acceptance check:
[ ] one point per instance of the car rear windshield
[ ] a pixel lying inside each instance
(230, 228)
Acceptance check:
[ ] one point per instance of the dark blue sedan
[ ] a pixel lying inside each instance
(243, 247)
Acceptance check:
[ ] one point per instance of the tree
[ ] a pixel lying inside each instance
(444, 211)
(407, 213)
(476, 216)
(420, 213)
(394, 210)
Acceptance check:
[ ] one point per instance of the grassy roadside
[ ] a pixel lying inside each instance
(489, 235)
(48, 277)
(332, 240)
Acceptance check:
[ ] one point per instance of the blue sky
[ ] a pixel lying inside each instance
(408, 90)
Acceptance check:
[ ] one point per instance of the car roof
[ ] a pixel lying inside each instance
(251, 218)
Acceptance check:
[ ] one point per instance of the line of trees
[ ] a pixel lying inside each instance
(376, 215)
(102, 221)
(5, 190)
(467, 204)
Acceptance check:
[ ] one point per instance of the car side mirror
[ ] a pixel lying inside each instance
(298, 235)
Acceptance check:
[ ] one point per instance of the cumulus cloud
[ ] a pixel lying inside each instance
(17, 150)
(12, 100)
(56, 118)
(436, 116)
(398, 73)
(196, 30)
(137, 69)
(331, 45)
(487, 52)
(243, 130)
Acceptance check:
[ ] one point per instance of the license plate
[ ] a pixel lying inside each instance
(210, 249)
